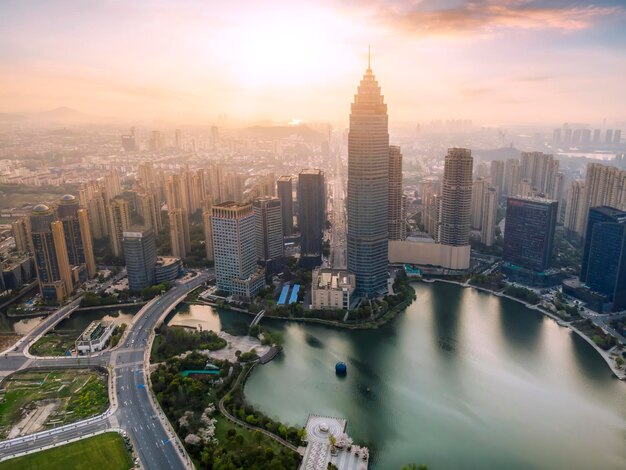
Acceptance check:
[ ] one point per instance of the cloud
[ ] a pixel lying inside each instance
(485, 17)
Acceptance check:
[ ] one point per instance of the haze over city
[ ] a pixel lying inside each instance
(495, 62)
(298, 235)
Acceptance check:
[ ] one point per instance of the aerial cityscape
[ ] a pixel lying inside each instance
(313, 235)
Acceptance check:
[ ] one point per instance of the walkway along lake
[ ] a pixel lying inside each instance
(462, 379)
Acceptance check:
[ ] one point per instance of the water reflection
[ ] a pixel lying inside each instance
(521, 327)
(446, 303)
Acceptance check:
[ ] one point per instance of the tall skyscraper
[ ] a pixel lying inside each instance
(512, 177)
(604, 186)
(541, 171)
(77, 237)
(140, 257)
(51, 261)
(311, 215)
(149, 207)
(396, 223)
(269, 233)
(284, 188)
(208, 232)
(236, 270)
(604, 259)
(118, 221)
(368, 188)
(529, 232)
(21, 236)
(497, 175)
(456, 198)
(575, 197)
(489, 213)
(179, 233)
(479, 188)
(112, 185)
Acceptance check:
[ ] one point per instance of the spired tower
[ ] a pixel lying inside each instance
(368, 188)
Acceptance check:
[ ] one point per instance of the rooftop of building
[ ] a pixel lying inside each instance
(41, 209)
(167, 260)
(311, 171)
(67, 199)
(329, 278)
(536, 199)
(285, 178)
(609, 211)
(230, 205)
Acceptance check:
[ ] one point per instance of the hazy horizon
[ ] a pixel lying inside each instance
(494, 62)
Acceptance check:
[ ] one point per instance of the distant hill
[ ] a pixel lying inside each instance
(283, 132)
(62, 113)
(504, 153)
(8, 117)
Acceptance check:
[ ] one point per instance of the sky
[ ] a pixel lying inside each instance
(496, 62)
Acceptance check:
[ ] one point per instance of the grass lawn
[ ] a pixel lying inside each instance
(105, 451)
(55, 343)
(80, 393)
(223, 426)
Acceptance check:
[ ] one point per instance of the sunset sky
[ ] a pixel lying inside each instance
(496, 62)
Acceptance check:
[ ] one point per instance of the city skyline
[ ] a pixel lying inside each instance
(487, 61)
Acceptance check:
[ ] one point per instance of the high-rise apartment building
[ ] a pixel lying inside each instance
(284, 187)
(368, 188)
(604, 186)
(541, 171)
(268, 222)
(311, 215)
(149, 207)
(21, 236)
(575, 197)
(489, 213)
(112, 185)
(147, 176)
(512, 177)
(479, 188)
(497, 175)
(50, 251)
(118, 221)
(140, 257)
(604, 259)
(179, 233)
(456, 198)
(234, 245)
(77, 238)
(529, 232)
(208, 232)
(396, 223)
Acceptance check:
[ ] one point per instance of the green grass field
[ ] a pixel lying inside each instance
(55, 343)
(81, 393)
(105, 451)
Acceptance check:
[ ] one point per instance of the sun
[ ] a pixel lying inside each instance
(285, 47)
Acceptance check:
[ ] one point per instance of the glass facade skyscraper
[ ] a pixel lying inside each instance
(368, 188)
(604, 260)
(529, 232)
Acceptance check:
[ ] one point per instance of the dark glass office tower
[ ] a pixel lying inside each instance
(311, 215)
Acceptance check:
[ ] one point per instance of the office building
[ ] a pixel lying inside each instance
(118, 221)
(311, 215)
(179, 233)
(396, 223)
(51, 261)
(268, 223)
(456, 198)
(368, 188)
(603, 268)
(284, 188)
(332, 289)
(529, 232)
(140, 257)
(234, 245)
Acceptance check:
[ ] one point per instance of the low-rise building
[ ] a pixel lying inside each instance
(167, 269)
(95, 337)
(332, 289)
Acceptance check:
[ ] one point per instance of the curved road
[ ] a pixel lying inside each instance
(131, 409)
